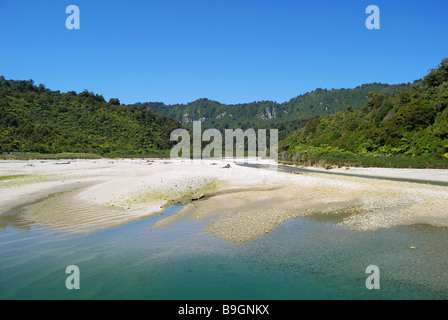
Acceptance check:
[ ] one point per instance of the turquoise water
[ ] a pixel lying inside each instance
(306, 258)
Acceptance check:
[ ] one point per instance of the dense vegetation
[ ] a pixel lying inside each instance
(372, 125)
(408, 129)
(36, 119)
(286, 117)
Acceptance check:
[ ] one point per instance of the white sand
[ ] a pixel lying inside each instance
(242, 203)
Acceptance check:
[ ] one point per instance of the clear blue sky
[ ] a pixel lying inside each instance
(232, 51)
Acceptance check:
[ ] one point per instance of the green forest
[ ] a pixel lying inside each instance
(407, 129)
(403, 125)
(286, 117)
(36, 119)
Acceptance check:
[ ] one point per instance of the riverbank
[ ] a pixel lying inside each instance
(418, 174)
(235, 203)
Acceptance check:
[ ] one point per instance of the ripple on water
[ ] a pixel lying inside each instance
(65, 212)
(305, 258)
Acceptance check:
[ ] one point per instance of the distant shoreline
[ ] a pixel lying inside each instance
(414, 175)
(321, 164)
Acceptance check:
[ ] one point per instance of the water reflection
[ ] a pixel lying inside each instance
(15, 219)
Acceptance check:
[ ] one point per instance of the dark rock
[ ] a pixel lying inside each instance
(198, 197)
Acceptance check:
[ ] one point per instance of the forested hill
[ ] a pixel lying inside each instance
(374, 121)
(406, 129)
(269, 114)
(36, 119)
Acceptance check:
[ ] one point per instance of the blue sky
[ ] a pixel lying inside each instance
(232, 51)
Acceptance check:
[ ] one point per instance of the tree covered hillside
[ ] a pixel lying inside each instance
(412, 124)
(36, 119)
(287, 116)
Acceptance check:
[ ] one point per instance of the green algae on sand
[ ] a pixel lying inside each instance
(170, 195)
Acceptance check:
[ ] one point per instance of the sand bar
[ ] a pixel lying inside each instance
(235, 203)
